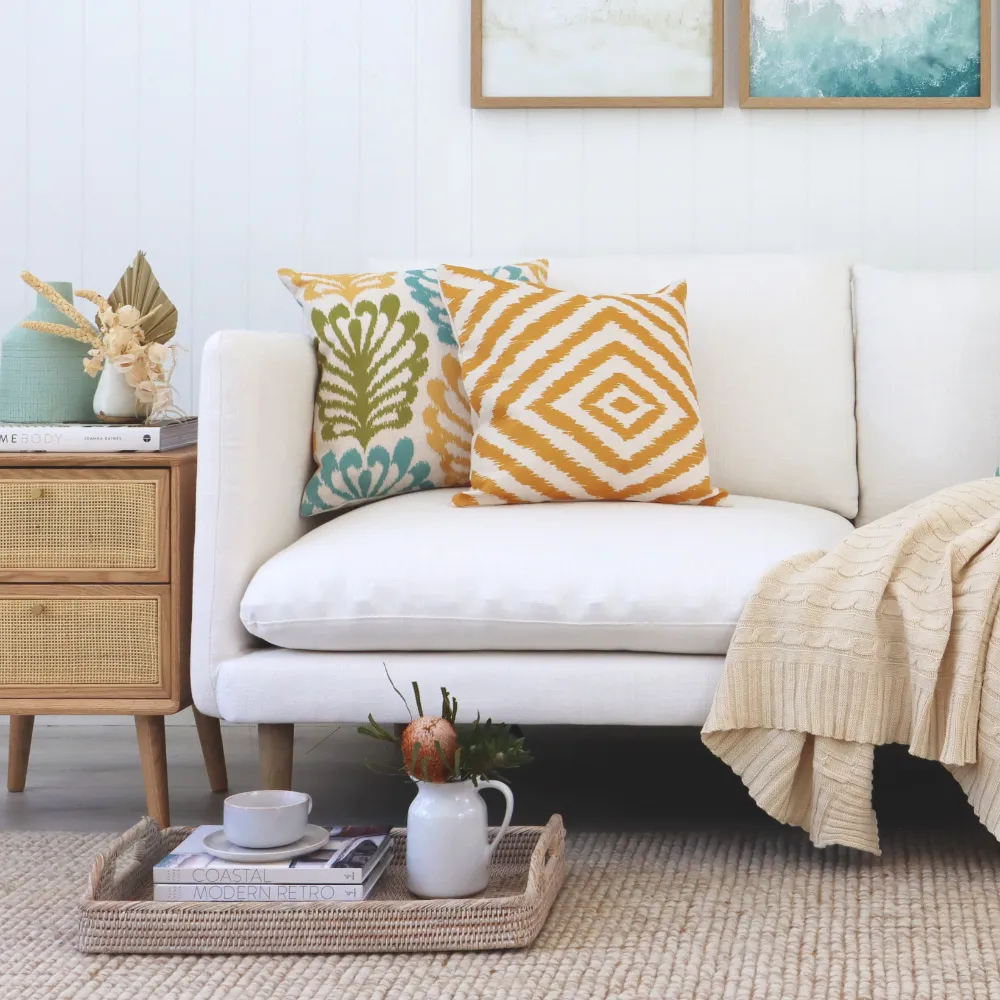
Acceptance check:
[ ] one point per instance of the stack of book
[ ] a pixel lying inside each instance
(346, 868)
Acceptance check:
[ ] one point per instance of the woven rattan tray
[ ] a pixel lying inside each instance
(118, 915)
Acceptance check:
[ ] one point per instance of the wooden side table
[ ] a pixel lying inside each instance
(95, 600)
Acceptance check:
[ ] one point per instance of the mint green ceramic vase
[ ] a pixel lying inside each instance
(41, 375)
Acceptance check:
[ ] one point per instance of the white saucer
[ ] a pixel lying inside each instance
(313, 839)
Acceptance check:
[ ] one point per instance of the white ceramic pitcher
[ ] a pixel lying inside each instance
(448, 850)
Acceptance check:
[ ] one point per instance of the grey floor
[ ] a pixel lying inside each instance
(87, 778)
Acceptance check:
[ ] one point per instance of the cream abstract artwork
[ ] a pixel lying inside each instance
(578, 53)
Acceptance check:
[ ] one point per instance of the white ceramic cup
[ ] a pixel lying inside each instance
(266, 819)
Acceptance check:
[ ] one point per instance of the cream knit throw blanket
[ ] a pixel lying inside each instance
(890, 637)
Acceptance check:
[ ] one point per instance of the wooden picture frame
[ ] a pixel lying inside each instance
(982, 101)
(713, 100)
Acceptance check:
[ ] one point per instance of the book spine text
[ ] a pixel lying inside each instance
(267, 892)
(83, 438)
(239, 875)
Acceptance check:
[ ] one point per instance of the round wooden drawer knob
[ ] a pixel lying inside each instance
(38, 609)
(36, 493)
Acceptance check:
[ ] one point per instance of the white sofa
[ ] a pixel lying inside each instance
(817, 415)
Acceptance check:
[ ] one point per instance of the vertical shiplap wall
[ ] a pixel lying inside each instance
(231, 137)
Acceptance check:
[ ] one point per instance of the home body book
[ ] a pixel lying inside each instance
(347, 858)
(164, 436)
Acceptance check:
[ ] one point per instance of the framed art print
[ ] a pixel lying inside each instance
(865, 53)
(596, 53)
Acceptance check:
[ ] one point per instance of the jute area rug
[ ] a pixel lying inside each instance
(750, 913)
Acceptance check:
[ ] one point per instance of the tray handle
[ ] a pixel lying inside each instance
(548, 853)
(144, 836)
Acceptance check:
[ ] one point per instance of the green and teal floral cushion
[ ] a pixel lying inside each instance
(391, 412)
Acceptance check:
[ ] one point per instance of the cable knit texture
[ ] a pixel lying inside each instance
(890, 637)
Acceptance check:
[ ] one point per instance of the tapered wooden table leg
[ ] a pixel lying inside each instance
(153, 755)
(210, 737)
(19, 747)
(276, 739)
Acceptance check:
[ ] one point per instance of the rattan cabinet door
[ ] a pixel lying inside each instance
(84, 525)
(77, 640)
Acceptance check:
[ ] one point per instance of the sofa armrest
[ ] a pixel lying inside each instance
(254, 458)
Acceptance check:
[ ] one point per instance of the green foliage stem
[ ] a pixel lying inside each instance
(484, 750)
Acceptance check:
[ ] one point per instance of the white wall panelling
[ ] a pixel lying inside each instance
(891, 150)
(230, 137)
(779, 171)
(667, 214)
(834, 210)
(166, 158)
(111, 140)
(610, 187)
(277, 109)
(54, 49)
(946, 187)
(329, 148)
(14, 296)
(443, 182)
(500, 188)
(554, 190)
(387, 192)
(987, 190)
(220, 249)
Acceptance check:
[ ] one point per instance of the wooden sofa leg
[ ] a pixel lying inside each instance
(275, 739)
(210, 738)
(18, 748)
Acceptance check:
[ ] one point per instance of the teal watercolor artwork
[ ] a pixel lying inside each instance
(870, 51)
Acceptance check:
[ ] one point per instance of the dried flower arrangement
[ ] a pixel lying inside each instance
(133, 324)
(436, 749)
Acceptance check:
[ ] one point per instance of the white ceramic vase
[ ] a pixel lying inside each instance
(448, 850)
(114, 400)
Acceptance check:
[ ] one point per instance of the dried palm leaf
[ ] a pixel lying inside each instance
(138, 287)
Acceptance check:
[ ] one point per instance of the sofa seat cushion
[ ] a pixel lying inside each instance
(414, 573)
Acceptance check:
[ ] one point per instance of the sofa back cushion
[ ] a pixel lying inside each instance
(771, 344)
(928, 372)
(773, 355)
